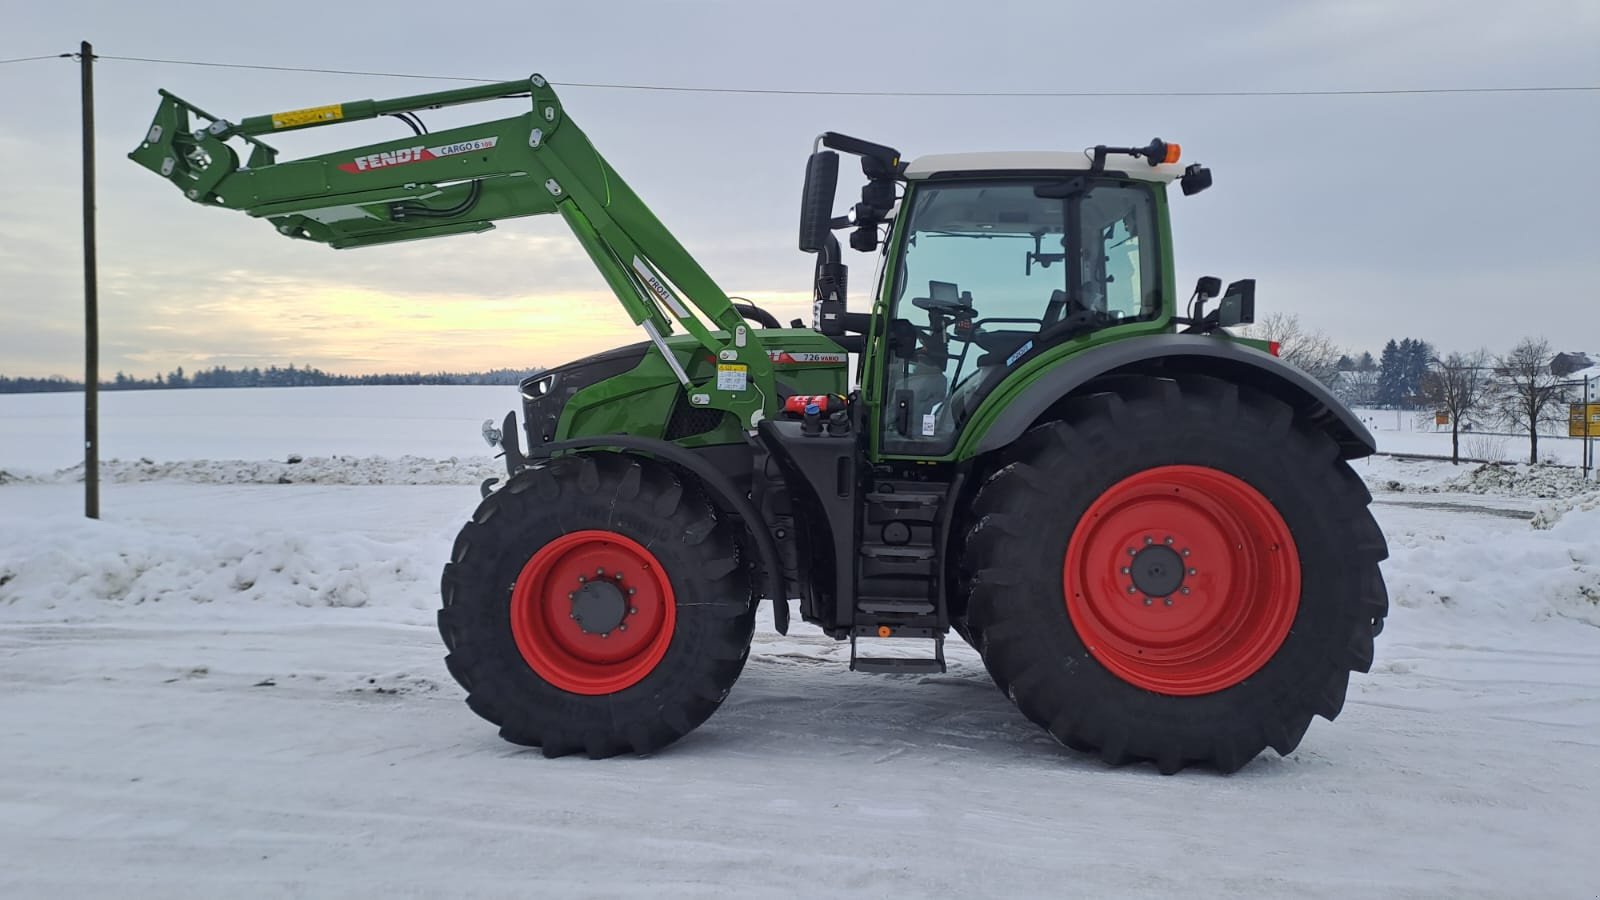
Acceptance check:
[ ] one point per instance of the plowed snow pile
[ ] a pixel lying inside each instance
(1499, 479)
(80, 568)
(292, 470)
(1516, 572)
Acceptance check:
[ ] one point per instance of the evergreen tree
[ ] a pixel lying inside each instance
(1390, 366)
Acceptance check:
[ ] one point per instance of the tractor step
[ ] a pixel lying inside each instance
(903, 665)
(882, 665)
(896, 607)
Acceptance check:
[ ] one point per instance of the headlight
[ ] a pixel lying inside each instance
(542, 387)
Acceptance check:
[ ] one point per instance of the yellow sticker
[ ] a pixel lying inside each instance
(297, 117)
(732, 377)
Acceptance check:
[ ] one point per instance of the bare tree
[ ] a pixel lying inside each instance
(1527, 394)
(1309, 349)
(1456, 385)
(1359, 388)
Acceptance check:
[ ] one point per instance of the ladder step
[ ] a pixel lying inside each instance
(889, 665)
(893, 664)
(908, 499)
(899, 607)
(896, 552)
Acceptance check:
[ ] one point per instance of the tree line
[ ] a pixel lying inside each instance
(1526, 389)
(272, 376)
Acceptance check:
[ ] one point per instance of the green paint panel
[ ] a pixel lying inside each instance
(640, 401)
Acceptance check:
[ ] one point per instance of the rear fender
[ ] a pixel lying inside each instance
(1166, 355)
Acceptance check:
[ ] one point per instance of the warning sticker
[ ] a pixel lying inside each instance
(296, 117)
(930, 425)
(732, 377)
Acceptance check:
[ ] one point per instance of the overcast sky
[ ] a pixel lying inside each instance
(1467, 220)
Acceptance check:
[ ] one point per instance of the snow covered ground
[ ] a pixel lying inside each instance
(232, 685)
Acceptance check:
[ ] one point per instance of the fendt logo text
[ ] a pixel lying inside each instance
(403, 155)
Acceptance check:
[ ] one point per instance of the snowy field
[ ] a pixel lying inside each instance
(1411, 431)
(231, 685)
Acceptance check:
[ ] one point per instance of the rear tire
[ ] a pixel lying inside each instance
(1246, 651)
(548, 655)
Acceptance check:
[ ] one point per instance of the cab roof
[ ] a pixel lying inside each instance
(1035, 161)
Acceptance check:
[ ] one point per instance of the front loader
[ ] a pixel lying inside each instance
(1147, 527)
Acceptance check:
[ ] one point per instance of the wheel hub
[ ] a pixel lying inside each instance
(1145, 605)
(599, 607)
(1157, 571)
(593, 612)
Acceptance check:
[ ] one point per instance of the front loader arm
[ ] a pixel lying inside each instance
(462, 180)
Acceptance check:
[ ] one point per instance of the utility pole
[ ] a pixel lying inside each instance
(91, 312)
(1588, 443)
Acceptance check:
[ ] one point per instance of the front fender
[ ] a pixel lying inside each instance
(1009, 411)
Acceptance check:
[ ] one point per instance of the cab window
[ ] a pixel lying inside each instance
(990, 272)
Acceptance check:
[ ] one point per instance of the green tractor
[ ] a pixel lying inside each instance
(1146, 526)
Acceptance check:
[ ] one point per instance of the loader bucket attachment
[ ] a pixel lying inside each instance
(426, 185)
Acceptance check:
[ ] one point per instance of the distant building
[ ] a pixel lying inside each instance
(1564, 364)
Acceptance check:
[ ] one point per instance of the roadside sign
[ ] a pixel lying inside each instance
(1575, 416)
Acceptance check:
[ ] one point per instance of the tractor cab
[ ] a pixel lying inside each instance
(991, 261)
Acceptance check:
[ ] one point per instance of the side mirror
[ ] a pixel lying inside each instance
(816, 200)
(1238, 306)
(1195, 179)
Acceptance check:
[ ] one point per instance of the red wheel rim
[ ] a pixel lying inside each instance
(567, 621)
(1215, 620)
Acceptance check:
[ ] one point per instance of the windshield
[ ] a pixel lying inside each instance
(990, 273)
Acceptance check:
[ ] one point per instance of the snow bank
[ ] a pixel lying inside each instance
(1516, 573)
(76, 567)
(1499, 479)
(1548, 515)
(295, 470)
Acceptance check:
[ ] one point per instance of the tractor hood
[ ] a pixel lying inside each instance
(546, 394)
(631, 389)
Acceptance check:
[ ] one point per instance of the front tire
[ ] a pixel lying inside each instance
(1179, 571)
(596, 603)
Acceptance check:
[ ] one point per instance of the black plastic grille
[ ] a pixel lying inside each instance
(688, 421)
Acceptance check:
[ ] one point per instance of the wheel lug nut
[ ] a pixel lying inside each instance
(1185, 592)
(1167, 601)
(1132, 589)
(605, 634)
(622, 627)
(618, 576)
(632, 591)
(1132, 552)
(1168, 541)
(1149, 540)
(600, 572)
(633, 610)
(1186, 551)
(572, 596)
(1126, 570)
(1194, 571)
(1148, 601)
(582, 580)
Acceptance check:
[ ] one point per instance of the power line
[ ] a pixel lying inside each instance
(217, 65)
(796, 92)
(32, 58)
